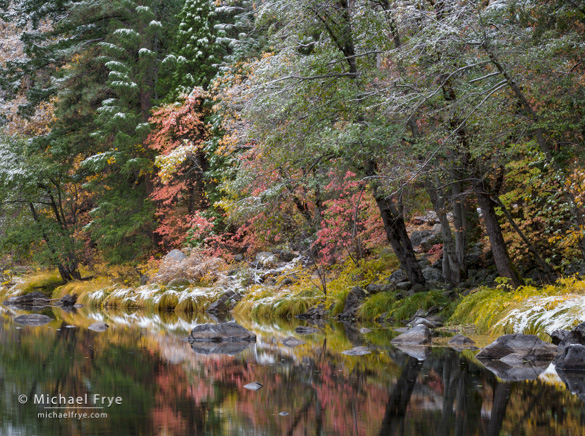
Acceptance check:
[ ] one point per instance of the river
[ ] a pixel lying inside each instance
(140, 377)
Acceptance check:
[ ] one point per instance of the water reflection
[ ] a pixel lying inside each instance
(169, 389)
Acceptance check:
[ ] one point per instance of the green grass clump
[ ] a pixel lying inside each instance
(45, 282)
(377, 305)
(400, 310)
(405, 309)
(488, 309)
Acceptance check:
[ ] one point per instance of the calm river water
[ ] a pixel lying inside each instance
(141, 378)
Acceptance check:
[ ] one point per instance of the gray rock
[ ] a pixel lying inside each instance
(317, 312)
(365, 330)
(27, 299)
(417, 288)
(357, 351)
(432, 274)
(352, 303)
(69, 300)
(424, 263)
(254, 386)
(424, 321)
(460, 342)
(374, 288)
(418, 335)
(283, 413)
(99, 327)
(398, 276)
(33, 319)
(175, 256)
(224, 303)
(302, 330)
(572, 358)
(529, 347)
(239, 258)
(223, 332)
(417, 238)
(291, 341)
(403, 286)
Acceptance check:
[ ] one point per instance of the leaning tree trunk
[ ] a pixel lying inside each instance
(396, 232)
(494, 231)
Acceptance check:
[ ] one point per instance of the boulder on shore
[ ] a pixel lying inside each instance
(352, 303)
(223, 332)
(571, 358)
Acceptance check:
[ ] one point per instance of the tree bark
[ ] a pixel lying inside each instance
(494, 231)
(396, 232)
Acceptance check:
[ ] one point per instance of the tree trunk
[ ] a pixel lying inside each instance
(494, 231)
(396, 232)
(451, 268)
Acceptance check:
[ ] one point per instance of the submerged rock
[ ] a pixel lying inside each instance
(529, 348)
(99, 327)
(33, 319)
(223, 332)
(291, 341)
(365, 330)
(418, 335)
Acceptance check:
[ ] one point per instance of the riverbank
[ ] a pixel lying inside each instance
(280, 285)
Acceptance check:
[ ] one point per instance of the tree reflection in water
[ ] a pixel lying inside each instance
(167, 388)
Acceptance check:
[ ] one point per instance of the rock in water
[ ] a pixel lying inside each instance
(418, 335)
(223, 332)
(254, 386)
(27, 299)
(571, 358)
(34, 319)
(460, 342)
(99, 327)
(365, 330)
(528, 347)
(291, 341)
(69, 300)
